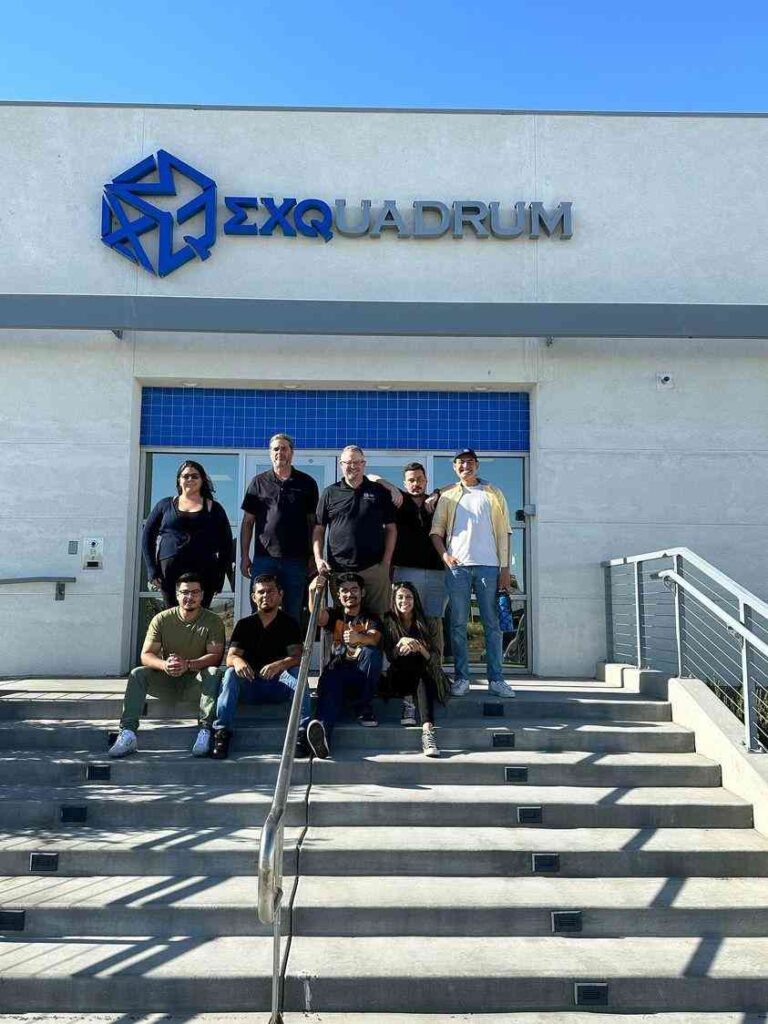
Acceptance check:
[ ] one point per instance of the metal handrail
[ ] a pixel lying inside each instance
(695, 649)
(59, 583)
(270, 895)
(739, 592)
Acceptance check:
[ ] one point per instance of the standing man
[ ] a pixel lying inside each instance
(179, 660)
(262, 664)
(359, 517)
(470, 531)
(415, 558)
(279, 508)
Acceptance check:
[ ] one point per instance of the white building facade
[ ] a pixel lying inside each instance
(608, 361)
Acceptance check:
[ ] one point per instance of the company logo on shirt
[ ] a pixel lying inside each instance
(162, 213)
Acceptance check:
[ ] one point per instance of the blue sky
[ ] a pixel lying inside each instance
(519, 55)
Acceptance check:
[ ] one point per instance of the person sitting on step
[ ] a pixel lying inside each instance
(411, 645)
(179, 662)
(354, 668)
(262, 664)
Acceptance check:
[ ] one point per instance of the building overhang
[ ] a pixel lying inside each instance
(120, 313)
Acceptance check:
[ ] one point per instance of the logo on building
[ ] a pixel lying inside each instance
(144, 210)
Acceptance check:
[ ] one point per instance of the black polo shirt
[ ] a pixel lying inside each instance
(414, 548)
(261, 645)
(283, 511)
(355, 518)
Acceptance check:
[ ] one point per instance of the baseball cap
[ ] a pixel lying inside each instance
(466, 453)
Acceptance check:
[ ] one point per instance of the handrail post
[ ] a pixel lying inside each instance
(277, 1017)
(676, 560)
(637, 612)
(748, 689)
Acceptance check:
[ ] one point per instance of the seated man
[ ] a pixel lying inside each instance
(355, 665)
(262, 663)
(181, 652)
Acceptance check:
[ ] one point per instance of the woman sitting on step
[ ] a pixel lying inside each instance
(411, 645)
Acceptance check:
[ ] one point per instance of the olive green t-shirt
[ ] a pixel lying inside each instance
(186, 639)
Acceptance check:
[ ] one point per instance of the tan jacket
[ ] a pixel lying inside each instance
(445, 514)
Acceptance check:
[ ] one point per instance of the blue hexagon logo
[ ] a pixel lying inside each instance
(128, 218)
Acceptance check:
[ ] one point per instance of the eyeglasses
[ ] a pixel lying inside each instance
(190, 593)
(190, 476)
(353, 462)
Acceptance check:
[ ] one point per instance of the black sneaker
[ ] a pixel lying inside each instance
(368, 719)
(317, 740)
(220, 747)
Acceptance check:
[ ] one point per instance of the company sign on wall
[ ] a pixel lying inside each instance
(141, 220)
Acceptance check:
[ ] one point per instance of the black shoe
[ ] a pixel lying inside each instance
(317, 740)
(220, 747)
(302, 749)
(368, 719)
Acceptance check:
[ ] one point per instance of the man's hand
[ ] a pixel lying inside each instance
(271, 671)
(174, 665)
(246, 566)
(504, 579)
(319, 583)
(242, 668)
(431, 502)
(450, 561)
(323, 567)
(155, 583)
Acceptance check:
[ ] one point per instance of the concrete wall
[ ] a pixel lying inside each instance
(618, 463)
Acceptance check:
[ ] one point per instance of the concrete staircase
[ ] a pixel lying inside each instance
(569, 858)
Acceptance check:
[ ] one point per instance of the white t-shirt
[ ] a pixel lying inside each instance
(472, 539)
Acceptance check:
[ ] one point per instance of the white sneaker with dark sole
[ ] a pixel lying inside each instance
(429, 743)
(126, 743)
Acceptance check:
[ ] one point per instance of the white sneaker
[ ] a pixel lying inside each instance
(408, 712)
(459, 687)
(125, 743)
(500, 688)
(429, 743)
(202, 745)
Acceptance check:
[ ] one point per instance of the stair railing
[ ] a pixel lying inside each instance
(673, 611)
(270, 897)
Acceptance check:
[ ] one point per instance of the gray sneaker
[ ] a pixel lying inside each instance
(500, 688)
(459, 687)
(124, 744)
(408, 712)
(202, 745)
(429, 743)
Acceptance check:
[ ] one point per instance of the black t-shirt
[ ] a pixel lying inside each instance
(338, 622)
(262, 645)
(414, 548)
(355, 518)
(282, 509)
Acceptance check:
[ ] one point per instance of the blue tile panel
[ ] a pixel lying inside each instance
(410, 420)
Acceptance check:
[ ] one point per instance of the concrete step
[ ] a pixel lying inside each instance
(551, 806)
(511, 973)
(583, 852)
(557, 1017)
(113, 806)
(175, 973)
(163, 851)
(84, 705)
(482, 767)
(387, 905)
(199, 806)
(472, 734)
(135, 905)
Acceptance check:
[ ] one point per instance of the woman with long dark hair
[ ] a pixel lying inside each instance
(188, 532)
(411, 645)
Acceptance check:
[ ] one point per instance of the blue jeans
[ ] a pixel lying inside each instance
(459, 582)
(257, 691)
(356, 680)
(292, 574)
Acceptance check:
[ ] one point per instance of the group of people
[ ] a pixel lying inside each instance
(362, 533)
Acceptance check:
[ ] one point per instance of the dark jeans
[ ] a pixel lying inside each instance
(355, 681)
(170, 570)
(409, 677)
